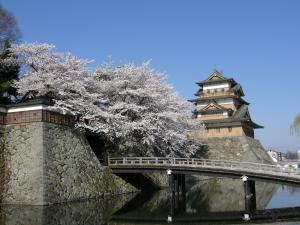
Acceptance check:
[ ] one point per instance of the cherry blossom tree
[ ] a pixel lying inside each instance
(131, 107)
(148, 111)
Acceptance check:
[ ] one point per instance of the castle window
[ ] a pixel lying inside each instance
(229, 129)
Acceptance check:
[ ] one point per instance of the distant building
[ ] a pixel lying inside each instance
(222, 109)
(276, 155)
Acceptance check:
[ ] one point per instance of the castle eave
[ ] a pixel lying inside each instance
(203, 99)
(201, 83)
(253, 124)
(221, 124)
(229, 122)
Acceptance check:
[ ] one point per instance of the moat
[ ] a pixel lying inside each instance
(209, 200)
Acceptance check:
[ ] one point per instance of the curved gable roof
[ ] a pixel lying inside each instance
(213, 106)
(216, 77)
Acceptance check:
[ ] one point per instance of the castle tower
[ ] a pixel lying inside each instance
(222, 109)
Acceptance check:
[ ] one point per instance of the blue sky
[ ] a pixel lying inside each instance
(256, 42)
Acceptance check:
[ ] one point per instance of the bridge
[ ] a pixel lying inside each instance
(204, 166)
(134, 169)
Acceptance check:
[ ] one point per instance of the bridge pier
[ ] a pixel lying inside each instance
(177, 192)
(181, 192)
(250, 195)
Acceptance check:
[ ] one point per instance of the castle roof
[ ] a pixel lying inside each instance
(214, 107)
(216, 77)
(242, 115)
(203, 99)
(237, 89)
(31, 97)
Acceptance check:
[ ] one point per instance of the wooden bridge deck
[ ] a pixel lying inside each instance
(204, 166)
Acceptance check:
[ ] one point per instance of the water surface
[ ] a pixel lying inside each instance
(207, 201)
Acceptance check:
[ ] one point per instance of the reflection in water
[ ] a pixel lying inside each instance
(208, 200)
(285, 196)
(83, 213)
(223, 194)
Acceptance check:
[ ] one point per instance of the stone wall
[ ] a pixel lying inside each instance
(50, 163)
(237, 149)
(160, 179)
(23, 155)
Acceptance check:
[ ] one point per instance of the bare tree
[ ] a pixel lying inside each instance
(9, 30)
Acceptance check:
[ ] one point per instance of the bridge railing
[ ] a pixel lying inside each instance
(204, 163)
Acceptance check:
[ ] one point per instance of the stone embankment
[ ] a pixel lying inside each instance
(242, 148)
(45, 163)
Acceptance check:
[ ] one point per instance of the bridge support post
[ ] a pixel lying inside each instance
(177, 183)
(177, 192)
(181, 183)
(182, 196)
(250, 195)
(171, 192)
(171, 181)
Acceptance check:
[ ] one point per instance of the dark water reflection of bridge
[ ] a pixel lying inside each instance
(208, 200)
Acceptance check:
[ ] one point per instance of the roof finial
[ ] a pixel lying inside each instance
(218, 72)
